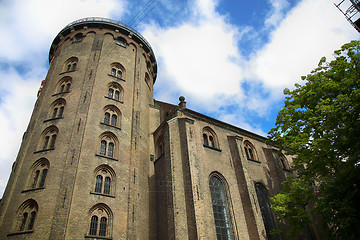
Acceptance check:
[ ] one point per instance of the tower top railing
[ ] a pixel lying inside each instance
(113, 24)
(108, 21)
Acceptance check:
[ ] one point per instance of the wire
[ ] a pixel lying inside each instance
(144, 12)
(140, 12)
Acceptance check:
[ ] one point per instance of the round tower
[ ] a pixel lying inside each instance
(82, 168)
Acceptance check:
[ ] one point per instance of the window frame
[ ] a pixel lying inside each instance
(268, 217)
(26, 218)
(117, 71)
(38, 174)
(250, 151)
(105, 187)
(96, 227)
(47, 139)
(209, 139)
(108, 140)
(226, 198)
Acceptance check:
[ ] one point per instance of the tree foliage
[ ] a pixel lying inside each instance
(320, 124)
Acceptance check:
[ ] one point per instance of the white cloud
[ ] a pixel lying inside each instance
(313, 29)
(201, 58)
(277, 12)
(18, 94)
(28, 26)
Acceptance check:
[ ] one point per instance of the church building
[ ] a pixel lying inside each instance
(101, 159)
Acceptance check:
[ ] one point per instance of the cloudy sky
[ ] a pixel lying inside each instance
(231, 59)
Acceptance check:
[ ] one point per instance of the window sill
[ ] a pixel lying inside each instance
(121, 79)
(97, 237)
(253, 160)
(67, 72)
(48, 120)
(60, 93)
(32, 189)
(19, 233)
(108, 125)
(44, 150)
(102, 194)
(114, 99)
(216, 149)
(103, 156)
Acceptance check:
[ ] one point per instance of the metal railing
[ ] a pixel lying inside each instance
(113, 22)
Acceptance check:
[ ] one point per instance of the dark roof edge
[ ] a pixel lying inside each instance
(224, 124)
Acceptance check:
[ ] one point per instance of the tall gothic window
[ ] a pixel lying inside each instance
(267, 216)
(221, 209)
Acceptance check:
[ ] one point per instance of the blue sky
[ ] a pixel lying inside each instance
(230, 59)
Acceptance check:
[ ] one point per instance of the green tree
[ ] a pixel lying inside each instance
(320, 124)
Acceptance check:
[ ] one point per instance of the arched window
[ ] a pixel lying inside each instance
(100, 221)
(121, 41)
(115, 92)
(107, 118)
(104, 176)
(103, 146)
(57, 107)
(113, 119)
(209, 138)
(112, 116)
(98, 183)
(39, 171)
(27, 214)
(71, 64)
(284, 163)
(93, 225)
(64, 85)
(110, 152)
(108, 145)
(117, 70)
(250, 151)
(206, 139)
(79, 37)
(220, 208)
(267, 216)
(48, 137)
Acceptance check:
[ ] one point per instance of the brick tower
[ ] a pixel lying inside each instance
(84, 158)
(101, 159)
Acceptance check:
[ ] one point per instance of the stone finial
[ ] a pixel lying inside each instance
(182, 103)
